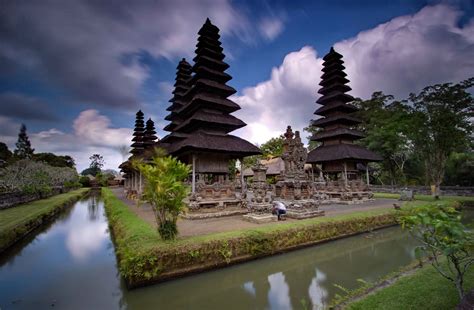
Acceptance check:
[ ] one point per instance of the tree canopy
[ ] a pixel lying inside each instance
(55, 160)
(23, 145)
(417, 137)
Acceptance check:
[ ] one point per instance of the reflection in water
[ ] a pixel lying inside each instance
(278, 296)
(71, 264)
(93, 208)
(316, 291)
(248, 286)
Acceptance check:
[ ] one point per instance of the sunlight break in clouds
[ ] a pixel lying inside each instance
(397, 57)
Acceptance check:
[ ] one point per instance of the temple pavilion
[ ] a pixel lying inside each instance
(200, 113)
(338, 155)
(143, 142)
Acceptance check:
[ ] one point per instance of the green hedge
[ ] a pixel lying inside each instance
(18, 221)
(143, 258)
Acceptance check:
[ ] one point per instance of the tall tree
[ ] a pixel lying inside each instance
(312, 130)
(23, 145)
(273, 147)
(442, 124)
(5, 153)
(97, 162)
(386, 123)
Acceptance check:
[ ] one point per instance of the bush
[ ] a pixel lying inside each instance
(33, 177)
(442, 234)
(165, 191)
(85, 181)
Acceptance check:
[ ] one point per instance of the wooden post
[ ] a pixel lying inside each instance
(242, 180)
(133, 181)
(345, 173)
(367, 173)
(140, 182)
(193, 187)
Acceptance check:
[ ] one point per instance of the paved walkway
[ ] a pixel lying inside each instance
(189, 228)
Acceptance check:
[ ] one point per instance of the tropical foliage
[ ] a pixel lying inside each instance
(419, 137)
(441, 233)
(165, 191)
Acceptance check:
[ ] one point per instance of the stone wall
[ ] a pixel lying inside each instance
(425, 190)
(12, 199)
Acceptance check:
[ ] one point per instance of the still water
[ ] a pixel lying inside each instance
(71, 265)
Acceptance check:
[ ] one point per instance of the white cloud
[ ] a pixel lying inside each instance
(92, 133)
(271, 27)
(410, 52)
(95, 129)
(285, 99)
(397, 57)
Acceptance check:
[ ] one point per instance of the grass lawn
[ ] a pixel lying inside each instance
(17, 221)
(425, 289)
(427, 198)
(140, 234)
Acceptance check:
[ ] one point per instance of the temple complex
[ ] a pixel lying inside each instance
(340, 158)
(201, 121)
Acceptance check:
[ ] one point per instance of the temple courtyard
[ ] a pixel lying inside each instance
(188, 228)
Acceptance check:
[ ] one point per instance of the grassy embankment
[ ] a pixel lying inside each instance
(18, 221)
(143, 258)
(424, 289)
(428, 198)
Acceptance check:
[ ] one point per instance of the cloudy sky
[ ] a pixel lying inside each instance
(76, 71)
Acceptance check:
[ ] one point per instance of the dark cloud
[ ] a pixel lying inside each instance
(78, 45)
(25, 108)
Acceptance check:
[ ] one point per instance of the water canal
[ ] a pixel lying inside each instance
(71, 265)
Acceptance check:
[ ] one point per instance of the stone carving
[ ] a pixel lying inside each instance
(219, 195)
(260, 191)
(294, 155)
(294, 188)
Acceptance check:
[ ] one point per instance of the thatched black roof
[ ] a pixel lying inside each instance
(149, 137)
(337, 152)
(203, 120)
(138, 134)
(219, 121)
(337, 121)
(206, 142)
(337, 133)
(183, 75)
(336, 106)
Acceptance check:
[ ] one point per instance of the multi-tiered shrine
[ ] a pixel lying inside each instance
(201, 121)
(143, 142)
(344, 164)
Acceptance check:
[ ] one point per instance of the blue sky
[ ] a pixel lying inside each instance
(75, 72)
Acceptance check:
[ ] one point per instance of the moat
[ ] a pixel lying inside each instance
(71, 264)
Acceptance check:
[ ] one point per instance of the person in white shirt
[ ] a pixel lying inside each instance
(279, 209)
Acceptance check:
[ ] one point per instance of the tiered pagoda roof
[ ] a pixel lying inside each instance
(337, 122)
(181, 86)
(149, 137)
(204, 114)
(138, 134)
